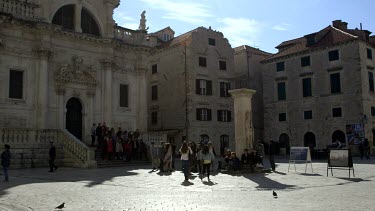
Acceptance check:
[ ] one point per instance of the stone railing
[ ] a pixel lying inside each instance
(128, 35)
(156, 137)
(33, 144)
(77, 149)
(19, 8)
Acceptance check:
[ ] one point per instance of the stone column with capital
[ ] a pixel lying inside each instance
(107, 105)
(142, 99)
(42, 86)
(242, 119)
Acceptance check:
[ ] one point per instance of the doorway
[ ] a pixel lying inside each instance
(74, 117)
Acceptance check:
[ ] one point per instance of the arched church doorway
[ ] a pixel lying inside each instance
(74, 117)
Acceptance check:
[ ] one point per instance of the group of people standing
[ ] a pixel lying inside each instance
(120, 145)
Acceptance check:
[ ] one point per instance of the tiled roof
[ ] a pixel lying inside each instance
(177, 40)
(328, 36)
(256, 50)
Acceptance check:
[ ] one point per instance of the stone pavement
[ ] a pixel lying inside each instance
(139, 188)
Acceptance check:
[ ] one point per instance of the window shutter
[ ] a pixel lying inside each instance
(218, 115)
(123, 95)
(209, 87)
(198, 114)
(229, 88)
(209, 117)
(229, 116)
(198, 86)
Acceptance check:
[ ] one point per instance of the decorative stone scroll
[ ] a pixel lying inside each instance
(75, 74)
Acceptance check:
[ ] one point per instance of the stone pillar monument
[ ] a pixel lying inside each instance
(242, 119)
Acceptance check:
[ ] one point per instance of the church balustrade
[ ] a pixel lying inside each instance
(19, 8)
(30, 138)
(127, 35)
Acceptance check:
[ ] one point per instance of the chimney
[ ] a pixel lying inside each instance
(340, 25)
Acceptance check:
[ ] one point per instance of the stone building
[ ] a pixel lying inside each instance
(320, 88)
(67, 65)
(249, 70)
(189, 79)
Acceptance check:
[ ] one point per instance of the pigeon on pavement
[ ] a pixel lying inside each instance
(274, 194)
(60, 206)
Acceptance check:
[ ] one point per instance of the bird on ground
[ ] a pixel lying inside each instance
(274, 194)
(60, 206)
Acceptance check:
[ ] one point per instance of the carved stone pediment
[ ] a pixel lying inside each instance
(76, 73)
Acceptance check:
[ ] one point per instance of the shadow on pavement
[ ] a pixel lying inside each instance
(187, 183)
(90, 177)
(209, 183)
(267, 183)
(310, 174)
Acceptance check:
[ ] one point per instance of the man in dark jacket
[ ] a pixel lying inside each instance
(52, 157)
(271, 154)
(99, 134)
(5, 161)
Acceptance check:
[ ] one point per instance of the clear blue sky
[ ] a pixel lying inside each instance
(263, 24)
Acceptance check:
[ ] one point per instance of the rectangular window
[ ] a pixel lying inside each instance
(154, 118)
(369, 53)
(16, 84)
(306, 87)
(281, 92)
(372, 111)
(211, 41)
(371, 81)
(154, 68)
(307, 114)
(124, 95)
(224, 116)
(282, 117)
(224, 88)
(336, 112)
(335, 83)
(203, 87)
(154, 92)
(333, 55)
(222, 65)
(203, 114)
(280, 66)
(202, 61)
(305, 61)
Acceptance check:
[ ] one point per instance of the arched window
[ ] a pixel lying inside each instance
(284, 142)
(224, 143)
(205, 138)
(65, 17)
(88, 23)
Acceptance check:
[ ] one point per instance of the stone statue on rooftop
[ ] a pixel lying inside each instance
(142, 22)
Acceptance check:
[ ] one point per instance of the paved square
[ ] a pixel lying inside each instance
(132, 188)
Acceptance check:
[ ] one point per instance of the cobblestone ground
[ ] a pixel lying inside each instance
(140, 189)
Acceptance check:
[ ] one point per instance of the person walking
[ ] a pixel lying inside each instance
(366, 148)
(168, 158)
(52, 157)
(5, 161)
(154, 156)
(185, 151)
(207, 158)
(271, 154)
(93, 134)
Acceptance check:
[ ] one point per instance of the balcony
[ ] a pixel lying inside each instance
(22, 9)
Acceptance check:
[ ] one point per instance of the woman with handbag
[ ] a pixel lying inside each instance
(207, 158)
(185, 152)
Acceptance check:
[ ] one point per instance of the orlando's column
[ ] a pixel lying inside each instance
(242, 119)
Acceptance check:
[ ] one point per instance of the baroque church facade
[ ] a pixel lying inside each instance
(66, 64)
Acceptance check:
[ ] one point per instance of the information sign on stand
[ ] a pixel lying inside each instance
(300, 154)
(340, 159)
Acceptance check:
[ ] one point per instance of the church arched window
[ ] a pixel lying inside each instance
(65, 17)
(88, 23)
